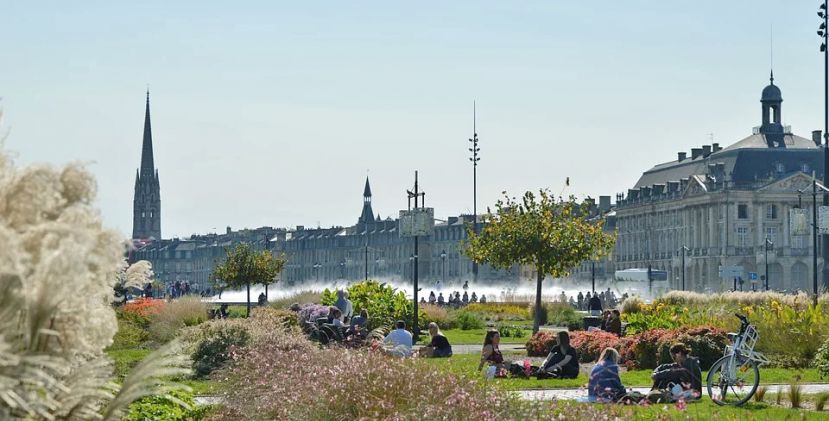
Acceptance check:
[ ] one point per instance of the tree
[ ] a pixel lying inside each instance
(244, 266)
(552, 235)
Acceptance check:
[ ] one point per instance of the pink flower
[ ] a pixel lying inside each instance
(681, 405)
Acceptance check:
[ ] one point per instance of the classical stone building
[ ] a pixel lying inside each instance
(146, 204)
(371, 248)
(723, 204)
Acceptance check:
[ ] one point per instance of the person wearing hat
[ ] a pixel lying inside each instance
(685, 370)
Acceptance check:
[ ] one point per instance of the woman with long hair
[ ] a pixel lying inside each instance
(562, 362)
(491, 354)
(604, 384)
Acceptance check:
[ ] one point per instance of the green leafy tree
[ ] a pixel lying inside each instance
(244, 266)
(552, 235)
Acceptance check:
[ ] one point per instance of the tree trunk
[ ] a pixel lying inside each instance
(538, 309)
(248, 285)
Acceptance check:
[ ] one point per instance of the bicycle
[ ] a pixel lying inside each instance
(734, 378)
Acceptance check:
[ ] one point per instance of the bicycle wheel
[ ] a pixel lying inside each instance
(735, 390)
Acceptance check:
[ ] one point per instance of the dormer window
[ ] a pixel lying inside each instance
(805, 168)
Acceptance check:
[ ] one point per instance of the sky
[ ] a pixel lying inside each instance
(273, 113)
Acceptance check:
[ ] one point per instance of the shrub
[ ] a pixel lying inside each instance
(820, 401)
(132, 331)
(162, 408)
(511, 331)
(144, 306)
(500, 311)
(544, 313)
(182, 312)
(467, 320)
(215, 346)
(651, 348)
(312, 312)
(631, 305)
(384, 303)
(822, 359)
(760, 394)
(436, 314)
(563, 315)
(540, 343)
(302, 297)
(590, 345)
(796, 392)
(797, 331)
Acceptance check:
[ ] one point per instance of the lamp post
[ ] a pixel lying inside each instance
(766, 245)
(474, 159)
(342, 268)
(443, 265)
(814, 232)
(317, 267)
(593, 274)
(823, 33)
(684, 249)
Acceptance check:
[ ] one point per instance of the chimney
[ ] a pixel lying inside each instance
(715, 147)
(604, 204)
(816, 135)
(696, 152)
(706, 150)
(680, 156)
(228, 231)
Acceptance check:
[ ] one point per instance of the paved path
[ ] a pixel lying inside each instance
(476, 348)
(570, 394)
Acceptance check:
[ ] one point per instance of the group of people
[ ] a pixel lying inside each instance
(455, 299)
(588, 301)
(681, 379)
(399, 342)
(611, 322)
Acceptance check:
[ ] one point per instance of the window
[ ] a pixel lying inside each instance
(805, 168)
(800, 241)
(742, 211)
(780, 167)
(742, 236)
(771, 234)
(771, 211)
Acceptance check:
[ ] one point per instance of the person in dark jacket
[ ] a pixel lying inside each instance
(684, 371)
(439, 347)
(562, 362)
(594, 304)
(614, 325)
(604, 384)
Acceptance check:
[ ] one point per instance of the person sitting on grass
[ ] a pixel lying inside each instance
(562, 362)
(604, 384)
(439, 347)
(491, 354)
(684, 372)
(399, 341)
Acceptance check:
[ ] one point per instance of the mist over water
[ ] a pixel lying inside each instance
(506, 291)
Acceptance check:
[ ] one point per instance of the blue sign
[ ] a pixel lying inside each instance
(752, 276)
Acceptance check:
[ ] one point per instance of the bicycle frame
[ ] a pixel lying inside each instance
(740, 350)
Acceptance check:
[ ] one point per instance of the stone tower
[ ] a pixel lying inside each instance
(146, 204)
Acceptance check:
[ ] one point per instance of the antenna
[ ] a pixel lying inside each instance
(474, 120)
(711, 136)
(771, 50)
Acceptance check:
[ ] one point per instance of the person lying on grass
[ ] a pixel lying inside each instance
(562, 362)
(439, 347)
(604, 384)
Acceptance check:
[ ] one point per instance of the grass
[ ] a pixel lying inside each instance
(473, 336)
(467, 364)
(126, 359)
(707, 410)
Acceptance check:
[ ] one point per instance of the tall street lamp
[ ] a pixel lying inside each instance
(768, 243)
(684, 249)
(443, 265)
(823, 32)
(474, 159)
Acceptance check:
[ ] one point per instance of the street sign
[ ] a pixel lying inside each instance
(799, 221)
(752, 276)
(728, 272)
(417, 222)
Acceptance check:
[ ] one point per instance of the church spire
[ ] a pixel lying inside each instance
(147, 164)
(367, 215)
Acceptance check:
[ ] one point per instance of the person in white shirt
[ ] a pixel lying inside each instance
(399, 341)
(338, 318)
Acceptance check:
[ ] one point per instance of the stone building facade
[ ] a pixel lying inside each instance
(372, 247)
(723, 204)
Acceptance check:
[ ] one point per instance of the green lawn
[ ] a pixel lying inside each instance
(473, 336)
(126, 359)
(467, 364)
(707, 410)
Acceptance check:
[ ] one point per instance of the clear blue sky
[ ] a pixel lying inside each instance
(270, 113)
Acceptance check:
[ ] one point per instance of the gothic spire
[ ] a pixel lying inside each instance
(367, 189)
(147, 164)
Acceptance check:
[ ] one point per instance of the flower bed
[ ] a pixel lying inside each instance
(644, 350)
(144, 307)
